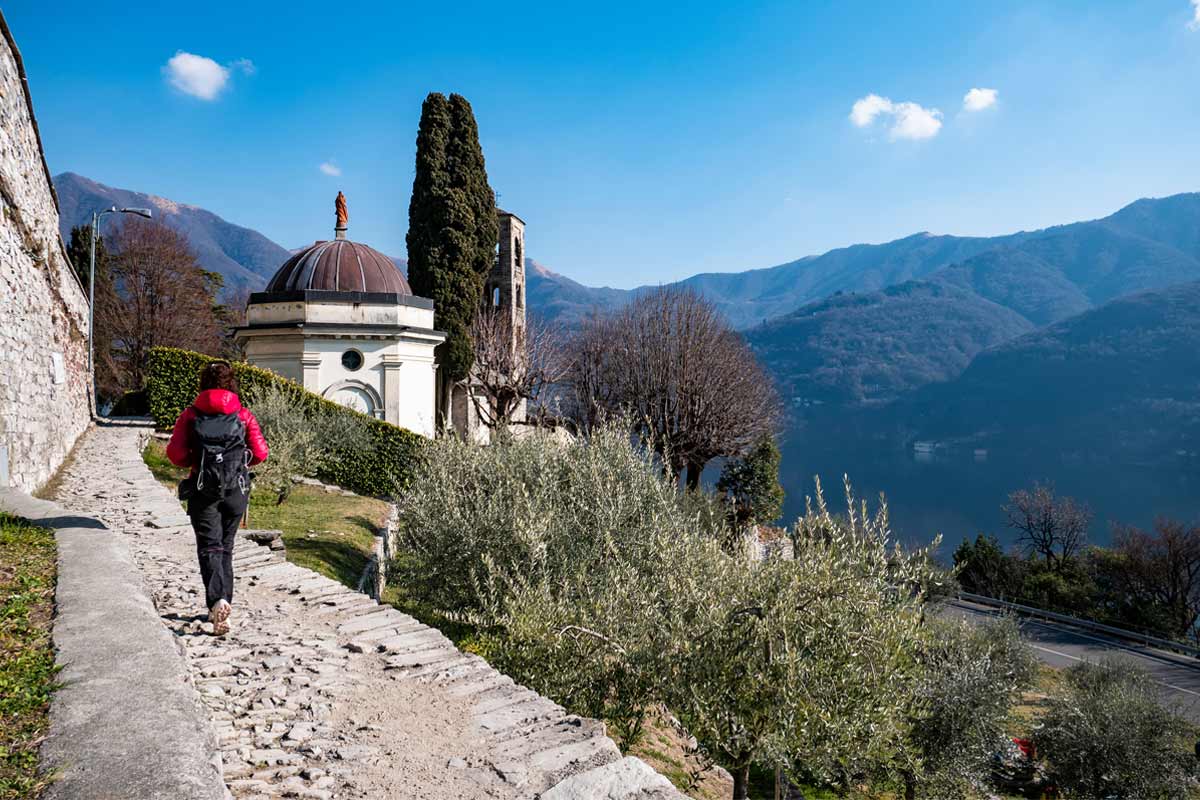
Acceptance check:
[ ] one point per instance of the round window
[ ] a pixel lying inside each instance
(352, 360)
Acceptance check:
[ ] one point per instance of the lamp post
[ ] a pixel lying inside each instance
(96, 215)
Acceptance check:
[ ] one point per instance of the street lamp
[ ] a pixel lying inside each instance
(96, 215)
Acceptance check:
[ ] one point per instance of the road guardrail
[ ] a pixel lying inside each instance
(1031, 611)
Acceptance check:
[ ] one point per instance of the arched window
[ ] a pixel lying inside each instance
(496, 296)
(518, 262)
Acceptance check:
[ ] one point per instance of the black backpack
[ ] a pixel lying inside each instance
(224, 457)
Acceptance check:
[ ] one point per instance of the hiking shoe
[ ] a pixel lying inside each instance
(218, 615)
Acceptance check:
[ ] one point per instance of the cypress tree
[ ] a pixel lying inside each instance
(79, 253)
(451, 227)
(751, 484)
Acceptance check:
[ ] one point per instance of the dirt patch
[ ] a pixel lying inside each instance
(666, 748)
(420, 741)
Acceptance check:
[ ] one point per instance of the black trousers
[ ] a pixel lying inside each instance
(216, 525)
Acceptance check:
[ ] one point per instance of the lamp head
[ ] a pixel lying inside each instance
(141, 212)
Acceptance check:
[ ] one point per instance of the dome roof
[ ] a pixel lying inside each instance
(340, 265)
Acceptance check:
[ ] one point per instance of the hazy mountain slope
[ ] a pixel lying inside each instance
(557, 298)
(1044, 275)
(1125, 375)
(245, 257)
(1171, 220)
(873, 346)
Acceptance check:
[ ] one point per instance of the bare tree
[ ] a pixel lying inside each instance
(231, 314)
(1162, 568)
(514, 365)
(671, 363)
(156, 295)
(1052, 527)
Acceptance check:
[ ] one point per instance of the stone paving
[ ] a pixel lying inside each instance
(320, 692)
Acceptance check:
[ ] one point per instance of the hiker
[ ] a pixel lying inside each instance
(219, 439)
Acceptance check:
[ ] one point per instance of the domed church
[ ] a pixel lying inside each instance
(339, 318)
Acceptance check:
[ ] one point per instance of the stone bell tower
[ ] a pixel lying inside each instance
(505, 287)
(503, 293)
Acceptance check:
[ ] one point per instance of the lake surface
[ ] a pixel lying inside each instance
(959, 493)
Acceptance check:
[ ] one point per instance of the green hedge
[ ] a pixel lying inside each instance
(385, 468)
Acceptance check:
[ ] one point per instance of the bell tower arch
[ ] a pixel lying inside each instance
(505, 288)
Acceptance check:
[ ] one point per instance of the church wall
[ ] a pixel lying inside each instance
(412, 397)
(44, 381)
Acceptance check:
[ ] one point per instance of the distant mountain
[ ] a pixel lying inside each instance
(1125, 376)
(245, 257)
(557, 298)
(877, 346)
(872, 347)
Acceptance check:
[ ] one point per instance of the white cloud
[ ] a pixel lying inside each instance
(200, 76)
(1195, 23)
(329, 168)
(915, 122)
(908, 120)
(866, 109)
(979, 99)
(196, 75)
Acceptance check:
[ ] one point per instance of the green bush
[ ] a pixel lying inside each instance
(972, 675)
(596, 583)
(384, 467)
(1108, 735)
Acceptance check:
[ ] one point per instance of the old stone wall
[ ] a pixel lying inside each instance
(44, 381)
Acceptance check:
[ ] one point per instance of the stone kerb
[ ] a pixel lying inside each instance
(127, 720)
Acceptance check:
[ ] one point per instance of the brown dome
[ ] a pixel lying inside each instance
(340, 266)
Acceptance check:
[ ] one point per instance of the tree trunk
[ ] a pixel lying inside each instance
(741, 781)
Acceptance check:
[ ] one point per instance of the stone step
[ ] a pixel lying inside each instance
(422, 658)
(385, 617)
(423, 639)
(501, 697)
(473, 685)
(427, 672)
(561, 732)
(560, 762)
(627, 779)
(525, 714)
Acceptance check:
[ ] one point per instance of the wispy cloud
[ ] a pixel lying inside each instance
(907, 120)
(1194, 24)
(979, 99)
(329, 168)
(200, 76)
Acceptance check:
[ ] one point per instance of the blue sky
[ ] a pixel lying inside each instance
(640, 142)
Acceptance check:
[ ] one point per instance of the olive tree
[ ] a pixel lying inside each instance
(301, 443)
(970, 677)
(1108, 735)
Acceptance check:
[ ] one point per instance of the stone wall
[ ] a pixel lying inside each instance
(44, 381)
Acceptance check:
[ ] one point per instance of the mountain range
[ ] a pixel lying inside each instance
(1076, 338)
(245, 257)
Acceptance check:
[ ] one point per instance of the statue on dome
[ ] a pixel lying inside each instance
(339, 206)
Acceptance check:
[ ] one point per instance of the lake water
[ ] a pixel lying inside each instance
(960, 493)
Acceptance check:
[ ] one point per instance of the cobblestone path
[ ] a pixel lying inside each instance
(320, 692)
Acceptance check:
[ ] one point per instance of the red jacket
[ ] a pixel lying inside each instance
(181, 449)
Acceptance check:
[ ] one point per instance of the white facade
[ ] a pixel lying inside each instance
(370, 352)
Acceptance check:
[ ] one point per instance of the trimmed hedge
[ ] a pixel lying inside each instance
(385, 468)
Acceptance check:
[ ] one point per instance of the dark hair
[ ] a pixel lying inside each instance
(218, 375)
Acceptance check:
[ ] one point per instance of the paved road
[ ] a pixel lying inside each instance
(1059, 645)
